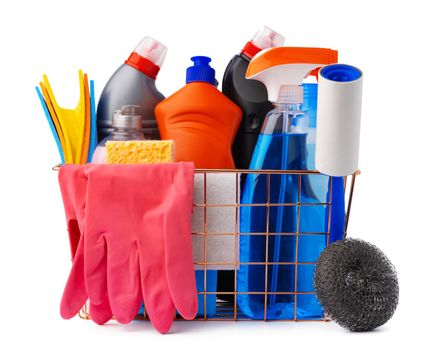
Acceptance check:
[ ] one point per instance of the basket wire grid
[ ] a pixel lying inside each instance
(229, 311)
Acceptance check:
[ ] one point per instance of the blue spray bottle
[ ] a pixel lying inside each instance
(269, 245)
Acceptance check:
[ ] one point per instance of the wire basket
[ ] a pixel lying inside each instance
(230, 311)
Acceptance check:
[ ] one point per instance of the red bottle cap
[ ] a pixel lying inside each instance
(148, 56)
(265, 38)
(143, 65)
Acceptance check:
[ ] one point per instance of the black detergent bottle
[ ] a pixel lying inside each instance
(250, 95)
(133, 83)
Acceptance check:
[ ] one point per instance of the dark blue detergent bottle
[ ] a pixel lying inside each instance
(251, 96)
(133, 83)
(280, 242)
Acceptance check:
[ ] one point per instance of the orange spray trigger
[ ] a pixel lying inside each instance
(280, 66)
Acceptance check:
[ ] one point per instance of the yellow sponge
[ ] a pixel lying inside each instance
(140, 152)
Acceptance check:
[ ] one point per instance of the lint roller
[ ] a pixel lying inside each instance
(338, 119)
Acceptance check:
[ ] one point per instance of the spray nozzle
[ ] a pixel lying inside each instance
(287, 66)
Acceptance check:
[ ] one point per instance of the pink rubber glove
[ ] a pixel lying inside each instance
(73, 184)
(138, 240)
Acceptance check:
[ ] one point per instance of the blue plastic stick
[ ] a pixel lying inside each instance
(51, 124)
(279, 223)
(93, 136)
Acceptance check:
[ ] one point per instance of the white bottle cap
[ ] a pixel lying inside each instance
(266, 38)
(152, 50)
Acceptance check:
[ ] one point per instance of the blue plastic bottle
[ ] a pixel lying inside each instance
(281, 146)
(284, 217)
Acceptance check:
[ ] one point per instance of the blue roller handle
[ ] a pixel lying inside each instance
(337, 227)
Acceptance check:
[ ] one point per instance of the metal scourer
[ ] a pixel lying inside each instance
(356, 284)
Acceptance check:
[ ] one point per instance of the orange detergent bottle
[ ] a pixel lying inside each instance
(200, 119)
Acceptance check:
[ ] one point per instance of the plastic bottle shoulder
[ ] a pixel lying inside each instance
(237, 87)
(198, 97)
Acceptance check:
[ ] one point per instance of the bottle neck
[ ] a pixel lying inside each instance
(127, 134)
(292, 118)
(289, 106)
(247, 58)
(250, 50)
(143, 65)
(290, 95)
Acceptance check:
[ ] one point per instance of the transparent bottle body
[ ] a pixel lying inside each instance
(99, 156)
(282, 145)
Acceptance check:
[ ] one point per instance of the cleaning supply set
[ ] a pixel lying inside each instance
(214, 204)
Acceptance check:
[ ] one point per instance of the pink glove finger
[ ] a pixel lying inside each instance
(125, 295)
(158, 302)
(178, 244)
(95, 270)
(102, 313)
(180, 269)
(97, 224)
(157, 298)
(74, 295)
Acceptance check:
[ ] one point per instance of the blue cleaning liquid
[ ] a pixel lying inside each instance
(280, 151)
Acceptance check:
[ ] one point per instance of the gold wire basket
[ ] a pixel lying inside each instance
(230, 311)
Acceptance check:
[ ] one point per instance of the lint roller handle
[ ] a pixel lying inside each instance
(338, 119)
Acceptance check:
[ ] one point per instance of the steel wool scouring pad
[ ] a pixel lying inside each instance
(356, 284)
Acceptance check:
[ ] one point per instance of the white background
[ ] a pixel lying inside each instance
(398, 200)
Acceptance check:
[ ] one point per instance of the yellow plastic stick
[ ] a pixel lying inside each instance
(72, 121)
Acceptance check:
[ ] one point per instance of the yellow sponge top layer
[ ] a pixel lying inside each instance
(140, 152)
